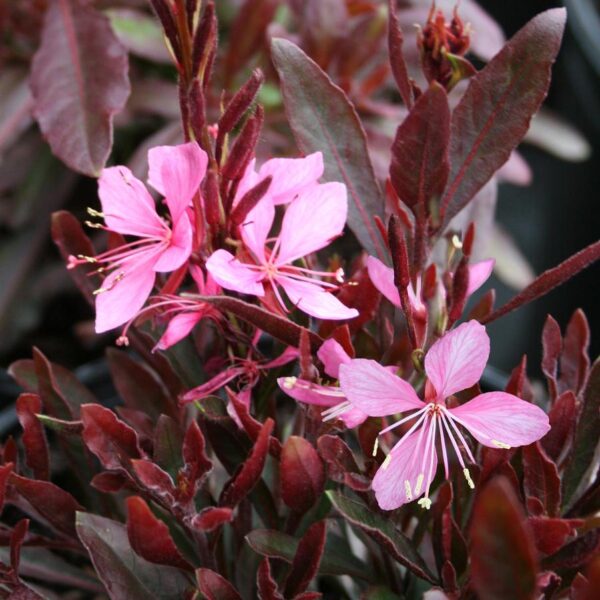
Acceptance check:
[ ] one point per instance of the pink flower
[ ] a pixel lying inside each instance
(310, 222)
(128, 209)
(383, 279)
(332, 355)
(455, 362)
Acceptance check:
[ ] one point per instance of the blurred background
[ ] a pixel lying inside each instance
(542, 221)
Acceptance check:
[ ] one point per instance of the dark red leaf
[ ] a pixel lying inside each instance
(280, 328)
(516, 383)
(267, 586)
(215, 587)
(562, 422)
(248, 201)
(308, 556)
(150, 538)
(211, 518)
(69, 236)
(397, 62)
(493, 115)
(323, 119)
(110, 482)
(551, 534)
(34, 437)
(552, 347)
(301, 473)
(574, 360)
(484, 307)
(503, 557)
(585, 440)
(167, 443)
(338, 457)
(541, 479)
(243, 148)
(111, 440)
(10, 452)
(195, 463)
(154, 479)
(79, 81)
(241, 484)
(419, 166)
(575, 554)
(5, 471)
(16, 541)
(54, 504)
(550, 279)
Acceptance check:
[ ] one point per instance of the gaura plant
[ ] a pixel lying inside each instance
(290, 384)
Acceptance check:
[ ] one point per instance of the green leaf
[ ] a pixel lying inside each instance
(383, 532)
(126, 575)
(323, 120)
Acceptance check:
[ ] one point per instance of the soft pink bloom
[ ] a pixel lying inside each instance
(455, 362)
(311, 221)
(332, 355)
(383, 279)
(290, 176)
(128, 209)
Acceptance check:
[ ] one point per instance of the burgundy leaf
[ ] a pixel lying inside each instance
(244, 146)
(585, 440)
(195, 463)
(550, 279)
(16, 541)
(111, 440)
(576, 553)
(503, 557)
(70, 238)
(419, 167)
(552, 347)
(551, 534)
(167, 442)
(79, 81)
(150, 538)
(574, 360)
(280, 328)
(493, 115)
(34, 437)
(541, 479)
(241, 484)
(301, 473)
(154, 479)
(267, 586)
(562, 422)
(211, 518)
(397, 62)
(110, 482)
(338, 457)
(323, 119)
(516, 382)
(308, 556)
(54, 504)
(215, 587)
(5, 471)
(484, 307)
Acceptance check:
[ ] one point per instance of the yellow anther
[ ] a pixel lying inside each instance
(425, 503)
(386, 463)
(419, 483)
(89, 259)
(289, 383)
(100, 291)
(501, 445)
(339, 275)
(407, 490)
(375, 446)
(456, 242)
(94, 213)
(94, 225)
(468, 478)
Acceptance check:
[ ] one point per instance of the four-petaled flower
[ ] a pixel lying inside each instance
(316, 216)
(454, 363)
(128, 209)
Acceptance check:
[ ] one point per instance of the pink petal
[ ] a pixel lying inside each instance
(383, 279)
(374, 390)
(332, 355)
(405, 465)
(198, 276)
(245, 396)
(257, 226)
(312, 220)
(287, 356)
(128, 289)
(504, 418)
(291, 175)
(456, 361)
(311, 393)
(479, 273)
(180, 246)
(178, 328)
(127, 206)
(353, 418)
(314, 300)
(212, 385)
(231, 274)
(176, 172)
